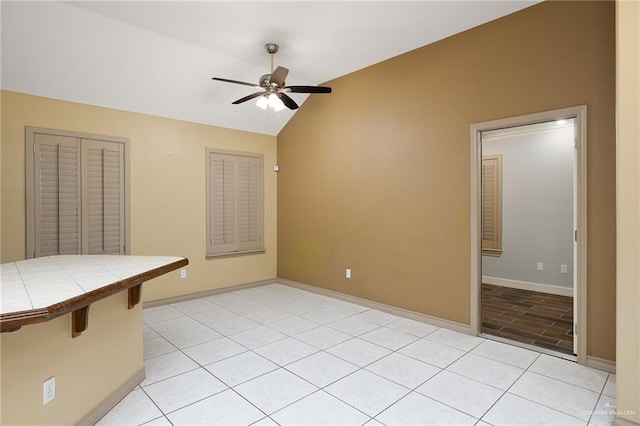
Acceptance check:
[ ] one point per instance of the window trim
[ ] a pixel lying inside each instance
(209, 254)
(30, 139)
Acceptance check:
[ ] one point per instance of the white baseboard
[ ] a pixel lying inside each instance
(92, 417)
(198, 295)
(525, 285)
(438, 322)
(620, 421)
(601, 364)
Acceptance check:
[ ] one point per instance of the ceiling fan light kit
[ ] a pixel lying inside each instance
(274, 91)
(262, 102)
(270, 100)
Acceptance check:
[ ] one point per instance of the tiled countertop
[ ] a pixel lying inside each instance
(46, 282)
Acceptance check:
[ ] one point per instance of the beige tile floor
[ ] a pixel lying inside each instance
(278, 355)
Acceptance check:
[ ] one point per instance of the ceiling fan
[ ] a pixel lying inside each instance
(273, 90)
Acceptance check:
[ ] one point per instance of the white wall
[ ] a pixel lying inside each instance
(537, 203)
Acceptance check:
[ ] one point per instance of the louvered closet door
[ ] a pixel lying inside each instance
(223, 203)
(57, 195)
(249, 203)
(104, 197)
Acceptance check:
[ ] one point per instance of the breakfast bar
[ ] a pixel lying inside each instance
(94, 354)
(44, 288)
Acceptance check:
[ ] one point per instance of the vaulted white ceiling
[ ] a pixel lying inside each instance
(158, 57)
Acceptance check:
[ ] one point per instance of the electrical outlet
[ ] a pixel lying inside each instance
(540, 266)
(347, 273)
(563, 269)
(183, 273)
(48, 390)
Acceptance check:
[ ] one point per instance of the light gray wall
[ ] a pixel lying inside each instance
(537, 204)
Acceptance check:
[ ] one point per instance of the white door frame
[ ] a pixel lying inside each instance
(579, 113)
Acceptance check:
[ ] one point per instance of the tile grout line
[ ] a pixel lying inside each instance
(506, 391)
(535, 402)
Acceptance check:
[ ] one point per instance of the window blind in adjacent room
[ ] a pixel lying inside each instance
(492, 205)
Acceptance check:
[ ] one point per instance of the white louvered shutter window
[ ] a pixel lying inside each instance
(492, 205)
(223, 203)
(249, 203)
(76, 194)
(234, 193)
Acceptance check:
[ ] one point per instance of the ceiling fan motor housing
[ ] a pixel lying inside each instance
(265, 80)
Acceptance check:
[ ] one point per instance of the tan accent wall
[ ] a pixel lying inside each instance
(628, 203)
(167, 187)
(375, 176)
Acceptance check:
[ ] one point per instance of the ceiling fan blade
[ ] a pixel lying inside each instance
(247, 98)
(226, 80)
(279, 75)
(308, 89)
(289, 103)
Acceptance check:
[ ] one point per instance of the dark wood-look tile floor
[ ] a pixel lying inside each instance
(538, 319)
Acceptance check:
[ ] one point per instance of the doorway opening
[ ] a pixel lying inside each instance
(528, 256)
